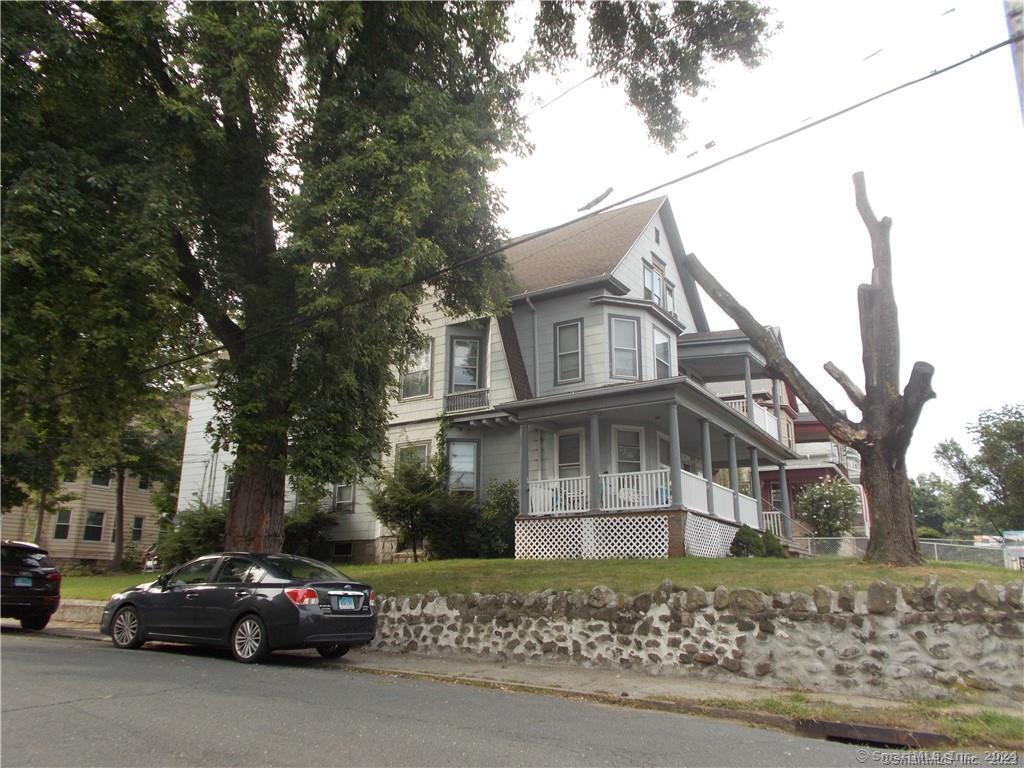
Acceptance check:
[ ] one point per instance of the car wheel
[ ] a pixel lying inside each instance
(249, 640)
(35, 621)
(126, 628)
(335, 651)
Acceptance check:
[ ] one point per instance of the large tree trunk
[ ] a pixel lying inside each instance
(255, 520)
(889, 417)
(37, 534)
(115, 563)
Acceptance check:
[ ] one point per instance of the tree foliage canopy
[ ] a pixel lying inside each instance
(292, 178)
(989, 486)
(828, 506)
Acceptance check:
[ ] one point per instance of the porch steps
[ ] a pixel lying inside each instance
(794, 549)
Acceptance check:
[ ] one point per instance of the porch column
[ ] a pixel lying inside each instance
(755, 485)
(705, 436)
(748, 388)
(524, 469)
(734, 477)
(776, 404)
(675, 458)
(787, 528)
(593, 444)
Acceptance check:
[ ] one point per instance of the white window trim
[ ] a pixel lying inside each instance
(638, 367)
(654, 351)
(579, 352)
(412, 444)
(430, 377)
(616, 429)
(583, 449)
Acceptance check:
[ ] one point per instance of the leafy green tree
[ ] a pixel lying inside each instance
(297, 176)
(989, 486)
(828, 506)
(403, 501)
(932, 498)
(498, 519)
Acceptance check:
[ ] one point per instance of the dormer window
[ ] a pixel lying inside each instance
(654, 281)
(670, 299)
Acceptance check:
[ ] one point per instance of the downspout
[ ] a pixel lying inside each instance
(536, 386)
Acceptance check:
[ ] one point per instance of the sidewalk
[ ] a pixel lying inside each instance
(667, 694)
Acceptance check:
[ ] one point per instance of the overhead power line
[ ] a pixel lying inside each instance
(441, 271)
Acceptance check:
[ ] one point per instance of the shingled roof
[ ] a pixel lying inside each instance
(587, 249)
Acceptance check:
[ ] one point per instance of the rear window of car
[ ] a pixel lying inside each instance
(19, 557)
(301, 569)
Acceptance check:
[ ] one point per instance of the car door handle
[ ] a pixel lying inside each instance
(191, 595)
(243, 593)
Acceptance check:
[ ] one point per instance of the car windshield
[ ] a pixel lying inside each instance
(19, 557)
(301, 569)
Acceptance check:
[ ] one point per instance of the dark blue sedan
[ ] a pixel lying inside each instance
(252, 603)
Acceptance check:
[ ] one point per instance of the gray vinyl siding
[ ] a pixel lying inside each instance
(433, 324)
(631, 270)
(595, 354)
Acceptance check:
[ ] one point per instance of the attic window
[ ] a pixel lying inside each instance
(654, 283)
(657, 235)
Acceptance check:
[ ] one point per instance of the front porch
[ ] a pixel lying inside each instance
(604, 473)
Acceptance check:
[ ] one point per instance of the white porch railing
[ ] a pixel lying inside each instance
(625, 491)
(773, 522)
(566, 494)
(467, 400)
(762, 417)
(635, 490)
(695, 492)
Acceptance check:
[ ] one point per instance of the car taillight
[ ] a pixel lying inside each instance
(53, 577)
(373, 597)
(305, 596)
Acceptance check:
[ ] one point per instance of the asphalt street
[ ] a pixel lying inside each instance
(82, 703)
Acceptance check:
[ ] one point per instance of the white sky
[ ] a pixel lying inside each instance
(779, 228)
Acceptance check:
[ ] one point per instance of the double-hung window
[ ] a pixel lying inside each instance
(569, 352)
(625, 332)
(463, 471)
(101, 477)
(416, 453)
(570, 453)
(670, 299)
(465, 365)
(416, 379)
(344, 498)
(662, 354)
(654, 281)
(137, 522)
(628, 446)
(93, 527)
(63, 526)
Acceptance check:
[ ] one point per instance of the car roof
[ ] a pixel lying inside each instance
(23, 545)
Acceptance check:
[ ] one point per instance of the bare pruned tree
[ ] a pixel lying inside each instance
(888, 417)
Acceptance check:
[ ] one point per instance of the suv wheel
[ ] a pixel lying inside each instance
(35, 621)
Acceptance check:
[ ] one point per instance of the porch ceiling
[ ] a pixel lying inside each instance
(647, 403)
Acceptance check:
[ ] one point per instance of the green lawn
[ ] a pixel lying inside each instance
(629, 576)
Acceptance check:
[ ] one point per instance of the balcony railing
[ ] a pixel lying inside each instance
(762, 418)
(467, 400)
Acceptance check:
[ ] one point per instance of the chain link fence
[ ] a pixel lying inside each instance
(931, 549)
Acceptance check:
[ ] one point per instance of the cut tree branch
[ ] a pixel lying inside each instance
(854, 392)
(843, 429)
(199, 298)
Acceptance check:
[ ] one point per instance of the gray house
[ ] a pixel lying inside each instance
(593, 394)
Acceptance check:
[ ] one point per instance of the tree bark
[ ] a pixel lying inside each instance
(255, 519)
(888, 417)
(37, 535)
(115, 563)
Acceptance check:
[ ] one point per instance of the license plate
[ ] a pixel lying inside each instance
(23, 581)
(346, 603)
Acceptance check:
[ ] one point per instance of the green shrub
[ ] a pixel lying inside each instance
(828, 506)
(452, 525)
(403, 500)
(927, 532)
(131, 559)
(197, 531)
(497, 519)
(772, 546)
(306, 531)
(747, 543)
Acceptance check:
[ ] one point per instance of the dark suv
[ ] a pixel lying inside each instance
(29, 584)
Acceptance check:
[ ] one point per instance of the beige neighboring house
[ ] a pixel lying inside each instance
(84, 529)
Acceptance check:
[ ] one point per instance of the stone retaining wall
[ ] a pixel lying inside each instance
(886, 641)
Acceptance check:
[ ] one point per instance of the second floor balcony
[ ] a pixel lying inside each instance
(466, 400)
(761, 417)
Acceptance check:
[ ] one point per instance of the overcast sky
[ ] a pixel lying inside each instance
(779, 229)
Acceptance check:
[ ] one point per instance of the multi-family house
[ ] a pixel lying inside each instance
(83, 528)
(587, 395)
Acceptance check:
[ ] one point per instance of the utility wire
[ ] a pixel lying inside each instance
(441, 271)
